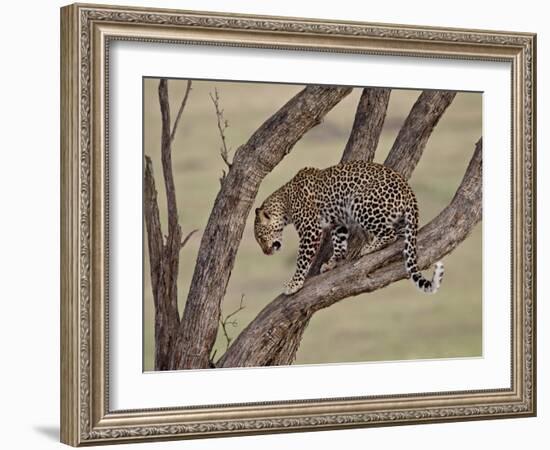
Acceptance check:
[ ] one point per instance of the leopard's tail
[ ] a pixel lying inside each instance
(409, 255)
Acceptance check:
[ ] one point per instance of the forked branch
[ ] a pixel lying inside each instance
(223, 233)
(273, 337)
(164, 253)
(285, 317)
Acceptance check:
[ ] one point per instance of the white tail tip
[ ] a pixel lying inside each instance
(439, 271)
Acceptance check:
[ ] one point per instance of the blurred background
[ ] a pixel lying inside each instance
(394, 323)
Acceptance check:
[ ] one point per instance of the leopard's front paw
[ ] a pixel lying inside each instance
(293, 287)
(329, 265)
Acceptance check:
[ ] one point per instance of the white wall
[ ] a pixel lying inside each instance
(29, 250)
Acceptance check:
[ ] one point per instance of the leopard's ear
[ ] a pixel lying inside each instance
(264, 217)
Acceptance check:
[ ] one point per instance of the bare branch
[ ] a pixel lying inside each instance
(225, 322)
(166, 317)
(152, 224)
(286, 317)
(180, 111)
(367, 126)
(166, 157)
(164, 252)
(413, 136)
(223, 125)
(191, 233)
(223, 233)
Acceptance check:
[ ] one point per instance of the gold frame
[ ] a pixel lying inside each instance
(86, 31)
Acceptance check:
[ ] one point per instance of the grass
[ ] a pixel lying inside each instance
(394, 323)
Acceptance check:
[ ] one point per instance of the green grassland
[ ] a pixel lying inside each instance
(394, 323)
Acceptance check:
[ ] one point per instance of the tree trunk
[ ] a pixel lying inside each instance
(274, 336)
(223, 233)
(164, 254)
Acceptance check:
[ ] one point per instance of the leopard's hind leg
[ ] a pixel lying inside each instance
(380, 240)
(384, 231)
(339, 235)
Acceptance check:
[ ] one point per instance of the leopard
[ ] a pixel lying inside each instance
(334, 200)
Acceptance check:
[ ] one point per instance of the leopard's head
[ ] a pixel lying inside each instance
(268, 228)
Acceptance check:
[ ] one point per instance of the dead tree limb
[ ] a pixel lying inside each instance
(223, 124)
(163, 324)
(223, 233)
(262, 342)
(180, 111)
(228, 320)
(164, 253)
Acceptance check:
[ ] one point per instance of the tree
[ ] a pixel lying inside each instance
(273, 337)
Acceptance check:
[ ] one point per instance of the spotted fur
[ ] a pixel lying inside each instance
(371, 195)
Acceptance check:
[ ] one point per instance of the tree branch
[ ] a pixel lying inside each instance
(367, 126)
(166, 157)
(262, 341)
(152, 224)
(223, 124)
(164, 254)
(223, 233)
(162, 280)
(413, 136)
(191, 233)
(180, 111)
(225, 321)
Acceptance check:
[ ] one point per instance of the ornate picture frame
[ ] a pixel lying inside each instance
(87, 32)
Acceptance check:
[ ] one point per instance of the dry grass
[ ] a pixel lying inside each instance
(394, 323)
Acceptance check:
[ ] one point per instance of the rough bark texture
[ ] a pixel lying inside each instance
(223, 233)
(367, 125)
(274, 336)
(286, 317)
(163, 328)
(413, 136)
(163, 254)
